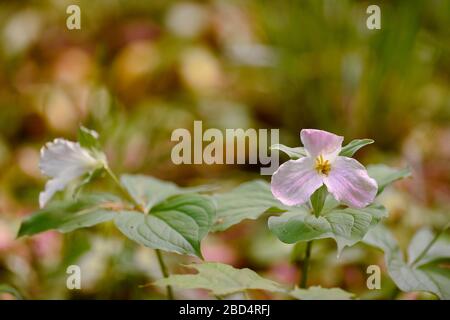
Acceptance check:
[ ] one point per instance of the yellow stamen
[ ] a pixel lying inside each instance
(322, 166)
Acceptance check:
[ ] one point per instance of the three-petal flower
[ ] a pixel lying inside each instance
(345, 178)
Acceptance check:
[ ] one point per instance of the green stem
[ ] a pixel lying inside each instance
(429, 245)
(306, 260)
(164, 272)
(125, 192)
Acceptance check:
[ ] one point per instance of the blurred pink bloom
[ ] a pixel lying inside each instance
(6, 237)
(216, 252)
(47, 245)
(345, 178)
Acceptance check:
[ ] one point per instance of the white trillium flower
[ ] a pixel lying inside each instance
(65, 161)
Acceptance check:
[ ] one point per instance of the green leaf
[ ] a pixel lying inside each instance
(221, 279)
(319, 293)
(294, 153)
(88, 139)
(318, 199)
(66, 216)
(5, 288)
(350, 149)
(438, 251)
(177, 224)
(149, 191)
(385, 175)
(423, 275)
(248, 201)
(299, 152)
(347, 226)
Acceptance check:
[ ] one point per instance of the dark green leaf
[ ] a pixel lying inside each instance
(347, 226)
(177, 224)
(66, 216)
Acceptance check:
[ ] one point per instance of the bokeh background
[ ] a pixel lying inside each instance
(137, 70)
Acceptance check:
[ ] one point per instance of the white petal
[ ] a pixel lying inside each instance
(350, 184)
(295, 181)
(51, 187)
(319, 142)
(61, 155)
(64, 161)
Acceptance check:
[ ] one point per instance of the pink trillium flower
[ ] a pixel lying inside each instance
(345, 178)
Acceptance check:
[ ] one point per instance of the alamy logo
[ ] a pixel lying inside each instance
(374, 280)
(374, 20)
(74, 279)
(74, 20)
(214, 147)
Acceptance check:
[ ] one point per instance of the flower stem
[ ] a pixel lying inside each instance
(120, 186)
(306, 260)
(125, 192)
(164, 272)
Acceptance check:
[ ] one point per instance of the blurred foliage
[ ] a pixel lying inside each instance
(137, 70)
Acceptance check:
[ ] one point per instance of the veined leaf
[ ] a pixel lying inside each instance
(293, 153)
(66, 216)
(177, 224)
(347, 226)
(319, 293)
(149, 191)
(248, 201)
(385, 175)
(350, 149)
(422, 272)
(220, 279)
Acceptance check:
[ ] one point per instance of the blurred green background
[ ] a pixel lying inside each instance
(137, 70)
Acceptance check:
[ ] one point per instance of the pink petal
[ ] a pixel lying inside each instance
(350, 184)
(295, 181)
(319, 142)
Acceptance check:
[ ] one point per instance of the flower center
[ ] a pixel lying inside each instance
(322, 166)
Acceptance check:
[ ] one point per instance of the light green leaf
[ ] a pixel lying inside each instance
(177, 224)
(221, 279)
(438, 251)
(385, 175)
(347, 226)
(420, 276)
(5, 288)
(149, 191)
(88, 139)
(248, 201)
(319, 293)
(66, 216)
(294, 153)
(350, 149)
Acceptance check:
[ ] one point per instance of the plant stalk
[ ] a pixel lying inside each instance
(125, 192)
(164, 272)
(305, 268)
